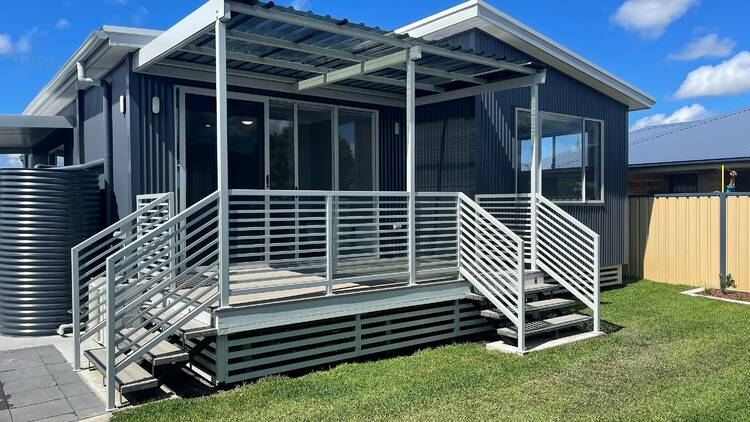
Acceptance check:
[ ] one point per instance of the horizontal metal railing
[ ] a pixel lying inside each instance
(88, 266)
(514, 211)
(170, 274)
(568, 251)
(334, 241)
(491, 259)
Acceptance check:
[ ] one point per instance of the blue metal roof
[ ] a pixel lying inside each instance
(721, 138)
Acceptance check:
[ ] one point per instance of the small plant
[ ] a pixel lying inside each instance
(726, 282)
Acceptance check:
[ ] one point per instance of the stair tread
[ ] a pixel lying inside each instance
(541, 287)
(189, 330)
(163, 353)
(545, 325)
(132, 378)
(549, 304)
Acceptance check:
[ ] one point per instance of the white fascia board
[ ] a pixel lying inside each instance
(480, 15)
(182, 33)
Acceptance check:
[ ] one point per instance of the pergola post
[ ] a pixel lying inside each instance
(536, 173)
(222, 157)
(415, 53)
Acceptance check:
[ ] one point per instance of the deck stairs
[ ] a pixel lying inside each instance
(564, 279)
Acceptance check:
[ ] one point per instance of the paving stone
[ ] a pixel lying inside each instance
(40, 395)
(53, 358)
(11, 363)
(89, 413)
(75, 389)
(18, 353)
(59, 367)
(28, 384)
(48, 409)
(5, 416)
(24, 373)
(85, 402)
(62, 378)
(46, 350)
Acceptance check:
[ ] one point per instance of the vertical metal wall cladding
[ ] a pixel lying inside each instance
(43, 214)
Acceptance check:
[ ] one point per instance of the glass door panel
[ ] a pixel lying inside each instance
(281, 146)
(245, 140)
(355, 150)
(314, 126)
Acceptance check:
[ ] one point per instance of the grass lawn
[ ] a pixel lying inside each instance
(675, 358)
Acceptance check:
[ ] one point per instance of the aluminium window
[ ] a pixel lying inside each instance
(571, 157)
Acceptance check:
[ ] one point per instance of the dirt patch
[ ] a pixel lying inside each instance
(741, 296)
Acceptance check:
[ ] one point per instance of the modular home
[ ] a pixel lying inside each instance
(284, 190)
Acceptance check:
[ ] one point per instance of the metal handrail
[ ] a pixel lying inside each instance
(94, 249)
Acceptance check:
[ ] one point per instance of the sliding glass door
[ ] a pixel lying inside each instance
(246, 146)
(275, 144)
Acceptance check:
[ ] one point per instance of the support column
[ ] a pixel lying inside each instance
(222, 157)
(536, 171)
(415, 53)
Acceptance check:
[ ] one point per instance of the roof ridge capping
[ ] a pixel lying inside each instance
(481, 15)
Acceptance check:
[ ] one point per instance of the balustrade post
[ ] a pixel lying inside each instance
(521, 301)
(111, 341)
(76, 286)
(330, 239)
(597, 316)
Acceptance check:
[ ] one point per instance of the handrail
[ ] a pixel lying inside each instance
(491, 258)
(568, 250)
(88, 265)
(159, 282)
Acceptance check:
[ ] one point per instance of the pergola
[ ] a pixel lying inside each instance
(250, 43)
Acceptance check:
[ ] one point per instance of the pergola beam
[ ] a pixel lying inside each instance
(359, 69)
(343, 55)
(302, 67)
(507, 84)
(395, 41)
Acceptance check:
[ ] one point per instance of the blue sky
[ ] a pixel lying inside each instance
(692, 56)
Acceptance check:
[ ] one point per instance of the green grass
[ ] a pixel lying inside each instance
(675, 358)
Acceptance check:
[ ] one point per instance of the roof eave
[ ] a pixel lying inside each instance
(480, 15)
(104, 47)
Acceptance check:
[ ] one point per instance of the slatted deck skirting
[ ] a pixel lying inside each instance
(254, 354)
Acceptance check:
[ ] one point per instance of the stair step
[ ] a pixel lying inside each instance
(532, 275)
(546, 325)
(549, 304)
(132, 378)
(190, 330)
(541, 288)
(164, 353)
(474, 296)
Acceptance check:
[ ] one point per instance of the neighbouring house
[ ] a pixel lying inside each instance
(288, 190)
(689, 157)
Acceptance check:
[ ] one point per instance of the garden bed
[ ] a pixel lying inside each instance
(726, 296)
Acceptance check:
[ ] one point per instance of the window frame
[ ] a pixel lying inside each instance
(584, 156)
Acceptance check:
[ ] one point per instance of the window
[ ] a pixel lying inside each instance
(571, 157)
(355, 150)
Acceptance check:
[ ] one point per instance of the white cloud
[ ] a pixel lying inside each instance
(685, 114)
(302, 5)
(22, 46)
(650, 18)
(62, 24)
(710, 45)
(727, 78)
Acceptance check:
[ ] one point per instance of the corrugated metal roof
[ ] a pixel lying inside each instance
(724, 137)
(246, 55)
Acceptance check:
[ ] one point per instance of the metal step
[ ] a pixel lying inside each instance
(132, 378)
(532, 275)
(164, 353)
(530, 289)
(546, 325)
(549, 304)
(190, 330)
(538, 306)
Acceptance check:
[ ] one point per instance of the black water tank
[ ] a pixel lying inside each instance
(43, 214)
